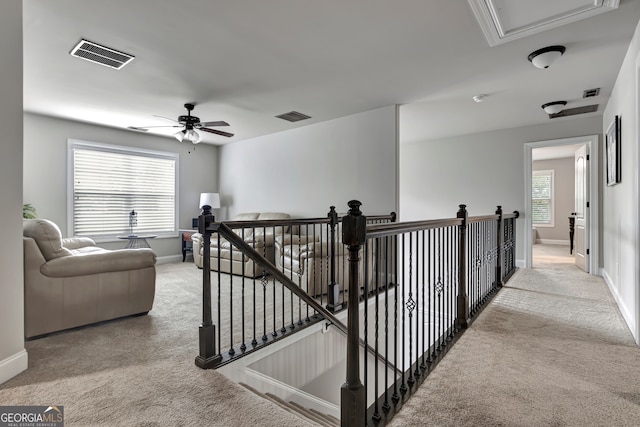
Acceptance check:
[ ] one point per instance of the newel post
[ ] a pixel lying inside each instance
(333, 292)
(208, 357)
(352, 393)
(500, 243)
(463, 299)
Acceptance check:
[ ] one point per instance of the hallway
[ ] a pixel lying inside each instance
(550, 349)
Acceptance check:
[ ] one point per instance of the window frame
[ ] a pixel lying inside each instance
(126, 150)
(552, 201)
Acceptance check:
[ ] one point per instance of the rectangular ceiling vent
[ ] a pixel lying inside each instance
(590, 93)
(101, 54)
(293, 116)
(574, 111)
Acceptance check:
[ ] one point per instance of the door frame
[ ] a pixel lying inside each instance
(591, 141)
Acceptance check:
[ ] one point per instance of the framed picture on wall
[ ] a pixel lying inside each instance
(612, 148)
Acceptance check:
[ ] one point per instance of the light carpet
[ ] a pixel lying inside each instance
(550, 350)
(140, 371)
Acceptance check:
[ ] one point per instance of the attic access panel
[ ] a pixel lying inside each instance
(502, 21)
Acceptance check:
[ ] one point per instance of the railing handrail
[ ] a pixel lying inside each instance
(226, 232)
(273, 222)
(247, 250)
(382, 230)
(389, 229)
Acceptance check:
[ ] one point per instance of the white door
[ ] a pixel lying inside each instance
(581, 235)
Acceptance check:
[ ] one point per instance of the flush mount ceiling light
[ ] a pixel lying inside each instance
(543, 58)
(554, 107)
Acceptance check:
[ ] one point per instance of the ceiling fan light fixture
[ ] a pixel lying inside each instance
(179, 135)
(554, 107)
(545, 57)
(192, 136)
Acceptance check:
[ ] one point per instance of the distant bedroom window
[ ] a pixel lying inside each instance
(542, 198)
(107, 182)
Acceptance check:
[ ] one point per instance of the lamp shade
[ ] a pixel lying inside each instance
(554, 107)
(543, 58)
(192, 136)
(210, 199)
(179, 135)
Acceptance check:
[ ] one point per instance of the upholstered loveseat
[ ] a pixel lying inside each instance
(70, 282)
(231, 260)
(306, 260)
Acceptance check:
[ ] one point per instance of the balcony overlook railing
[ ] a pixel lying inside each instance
(410, 290)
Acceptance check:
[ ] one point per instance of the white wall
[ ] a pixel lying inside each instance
(564, 198)
(305, 170)
(620, 202)
(480, 170)
(45, 171)
(13, 357)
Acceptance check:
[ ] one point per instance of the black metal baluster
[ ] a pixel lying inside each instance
(231, 350)
(376, 327)
(386, 406)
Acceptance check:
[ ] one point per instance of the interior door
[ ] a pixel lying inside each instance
(581, 235)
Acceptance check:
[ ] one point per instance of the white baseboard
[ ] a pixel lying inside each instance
(626, 315)
(520, 263)
(13, 365)
(553, 242)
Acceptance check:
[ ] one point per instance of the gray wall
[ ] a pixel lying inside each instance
(45, 172)
(564, 198)
(305, 170)
(620, 217)
(480, 170)
(13, 357)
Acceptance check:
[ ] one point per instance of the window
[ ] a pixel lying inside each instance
(542, 198)
(107, 182)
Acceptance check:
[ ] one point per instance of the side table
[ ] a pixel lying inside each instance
(135, 241)
(187, 243)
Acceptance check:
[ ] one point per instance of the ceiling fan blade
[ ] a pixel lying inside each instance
(151, 127)
(220, 123)
(217, 132)
(166, 118)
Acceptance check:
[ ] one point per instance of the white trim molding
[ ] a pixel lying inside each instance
(591, 141)
(13, 365)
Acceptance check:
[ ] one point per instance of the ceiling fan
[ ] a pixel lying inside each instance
(190, 124)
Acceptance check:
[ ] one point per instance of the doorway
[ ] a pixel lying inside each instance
(547, 218)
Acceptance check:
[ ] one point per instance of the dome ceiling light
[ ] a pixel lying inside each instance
(554, 107)
(543, 58)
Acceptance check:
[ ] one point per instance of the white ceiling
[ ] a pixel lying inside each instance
(246, 61)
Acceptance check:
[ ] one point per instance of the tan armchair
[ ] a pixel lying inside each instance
(71, 282)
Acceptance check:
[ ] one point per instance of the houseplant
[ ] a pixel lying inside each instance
(28, 211)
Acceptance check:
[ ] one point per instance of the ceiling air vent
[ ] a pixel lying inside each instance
(589, 93)
(293, 116)
(574, 111)
(101, 54)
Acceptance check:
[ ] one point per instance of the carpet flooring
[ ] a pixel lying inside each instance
(140, 371)
(551, 349)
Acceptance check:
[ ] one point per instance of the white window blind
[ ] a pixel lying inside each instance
(108, 182)
(542, 198)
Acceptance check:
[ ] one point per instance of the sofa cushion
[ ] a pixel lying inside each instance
(47, 236)
(247, 216)
(98, 261)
